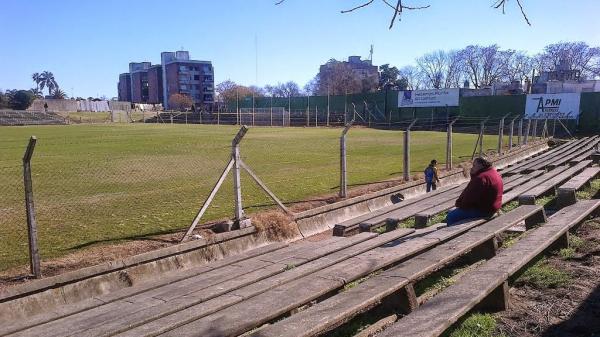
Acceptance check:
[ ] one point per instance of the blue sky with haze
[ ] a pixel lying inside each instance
(86, 44)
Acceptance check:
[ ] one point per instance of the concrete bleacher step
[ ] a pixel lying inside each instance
(352, 226)
(394, 286)
(566, 194)
(581, 154)
(549, 184)
(517, 191)
(486, 288)
(211, 292)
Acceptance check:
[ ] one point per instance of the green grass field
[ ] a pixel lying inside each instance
(97, 184)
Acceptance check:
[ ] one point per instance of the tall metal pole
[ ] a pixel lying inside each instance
(237, 184)
(34, 255)
(343, 168)
(406, 162)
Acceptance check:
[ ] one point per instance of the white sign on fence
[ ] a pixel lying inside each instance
(428, 98)
(552, 106)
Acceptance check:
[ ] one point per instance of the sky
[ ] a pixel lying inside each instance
(87, 43)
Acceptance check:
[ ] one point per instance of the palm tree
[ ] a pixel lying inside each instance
(47, 80)
(59, 94)
(37, 79)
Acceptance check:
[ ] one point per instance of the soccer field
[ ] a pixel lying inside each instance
(96, 184)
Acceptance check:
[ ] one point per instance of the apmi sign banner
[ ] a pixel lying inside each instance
(552, 106)
(428, 98)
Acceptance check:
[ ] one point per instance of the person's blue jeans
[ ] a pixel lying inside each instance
(431, 186)
(459, 214)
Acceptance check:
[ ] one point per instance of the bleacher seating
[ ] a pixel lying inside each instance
(26, 117)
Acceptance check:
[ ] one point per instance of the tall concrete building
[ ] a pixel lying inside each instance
(124, 87)
(177, 74)
(181, 75)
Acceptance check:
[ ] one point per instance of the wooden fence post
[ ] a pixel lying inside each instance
(34, 255)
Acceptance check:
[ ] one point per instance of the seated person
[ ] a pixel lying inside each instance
(483, 195)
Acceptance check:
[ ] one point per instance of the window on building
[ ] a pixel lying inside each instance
(208, 78)
(196, 77)
(208, 98)
(182, 68)
(183, 87)
(207, 68)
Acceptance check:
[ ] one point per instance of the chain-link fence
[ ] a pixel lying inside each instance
(97, 184)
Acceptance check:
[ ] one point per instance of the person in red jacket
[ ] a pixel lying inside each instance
(483, 195)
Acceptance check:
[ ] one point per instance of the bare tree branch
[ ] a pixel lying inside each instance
(399, 7)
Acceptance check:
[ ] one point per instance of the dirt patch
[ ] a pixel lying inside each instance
(568, 311)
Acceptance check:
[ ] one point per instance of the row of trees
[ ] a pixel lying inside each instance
(16, 99)
(46, 80)
(481, 66)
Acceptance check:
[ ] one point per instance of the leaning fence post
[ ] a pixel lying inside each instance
(406, 163)
(449, 145)
(343, 168)
(237, 184)
(34, 255)
(526, 139)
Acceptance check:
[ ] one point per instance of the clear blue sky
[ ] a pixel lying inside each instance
(86, 44)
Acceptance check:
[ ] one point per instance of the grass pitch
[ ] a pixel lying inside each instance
(97, 184)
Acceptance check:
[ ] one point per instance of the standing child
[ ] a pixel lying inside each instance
(431, 176)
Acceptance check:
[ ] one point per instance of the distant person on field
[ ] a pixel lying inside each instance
(483, 195)
(431, 176)
(45, 107)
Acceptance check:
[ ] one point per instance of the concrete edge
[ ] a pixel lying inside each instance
(40, 285)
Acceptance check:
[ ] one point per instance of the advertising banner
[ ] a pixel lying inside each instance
(428, 98)
(552, 106)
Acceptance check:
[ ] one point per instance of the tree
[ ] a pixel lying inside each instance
(287, 89)
(46, 79)
(180, 102)
(4, 100)
(59, 94)
(571, 56)
(312, 87)
(519, 66)
(37, 79)
(412, 77)
(389, 78)
(229, 91)
(20, 99)
(400, 7)
(485, 65)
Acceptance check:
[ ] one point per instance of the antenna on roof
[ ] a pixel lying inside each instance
(371, 54)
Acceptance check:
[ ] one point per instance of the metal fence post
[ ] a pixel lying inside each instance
(501, 134)
(527, 129)
(34, 255)
(237, 184)
(307, 111)
(343, 167)
(271, 110)
(534, 133)
(449, 145)
(327, 107)
(316, 115)
(520, 135)
(512, 131)
(406, 162)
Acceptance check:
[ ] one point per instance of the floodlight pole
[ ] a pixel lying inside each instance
(406, 163)
(343, 169)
